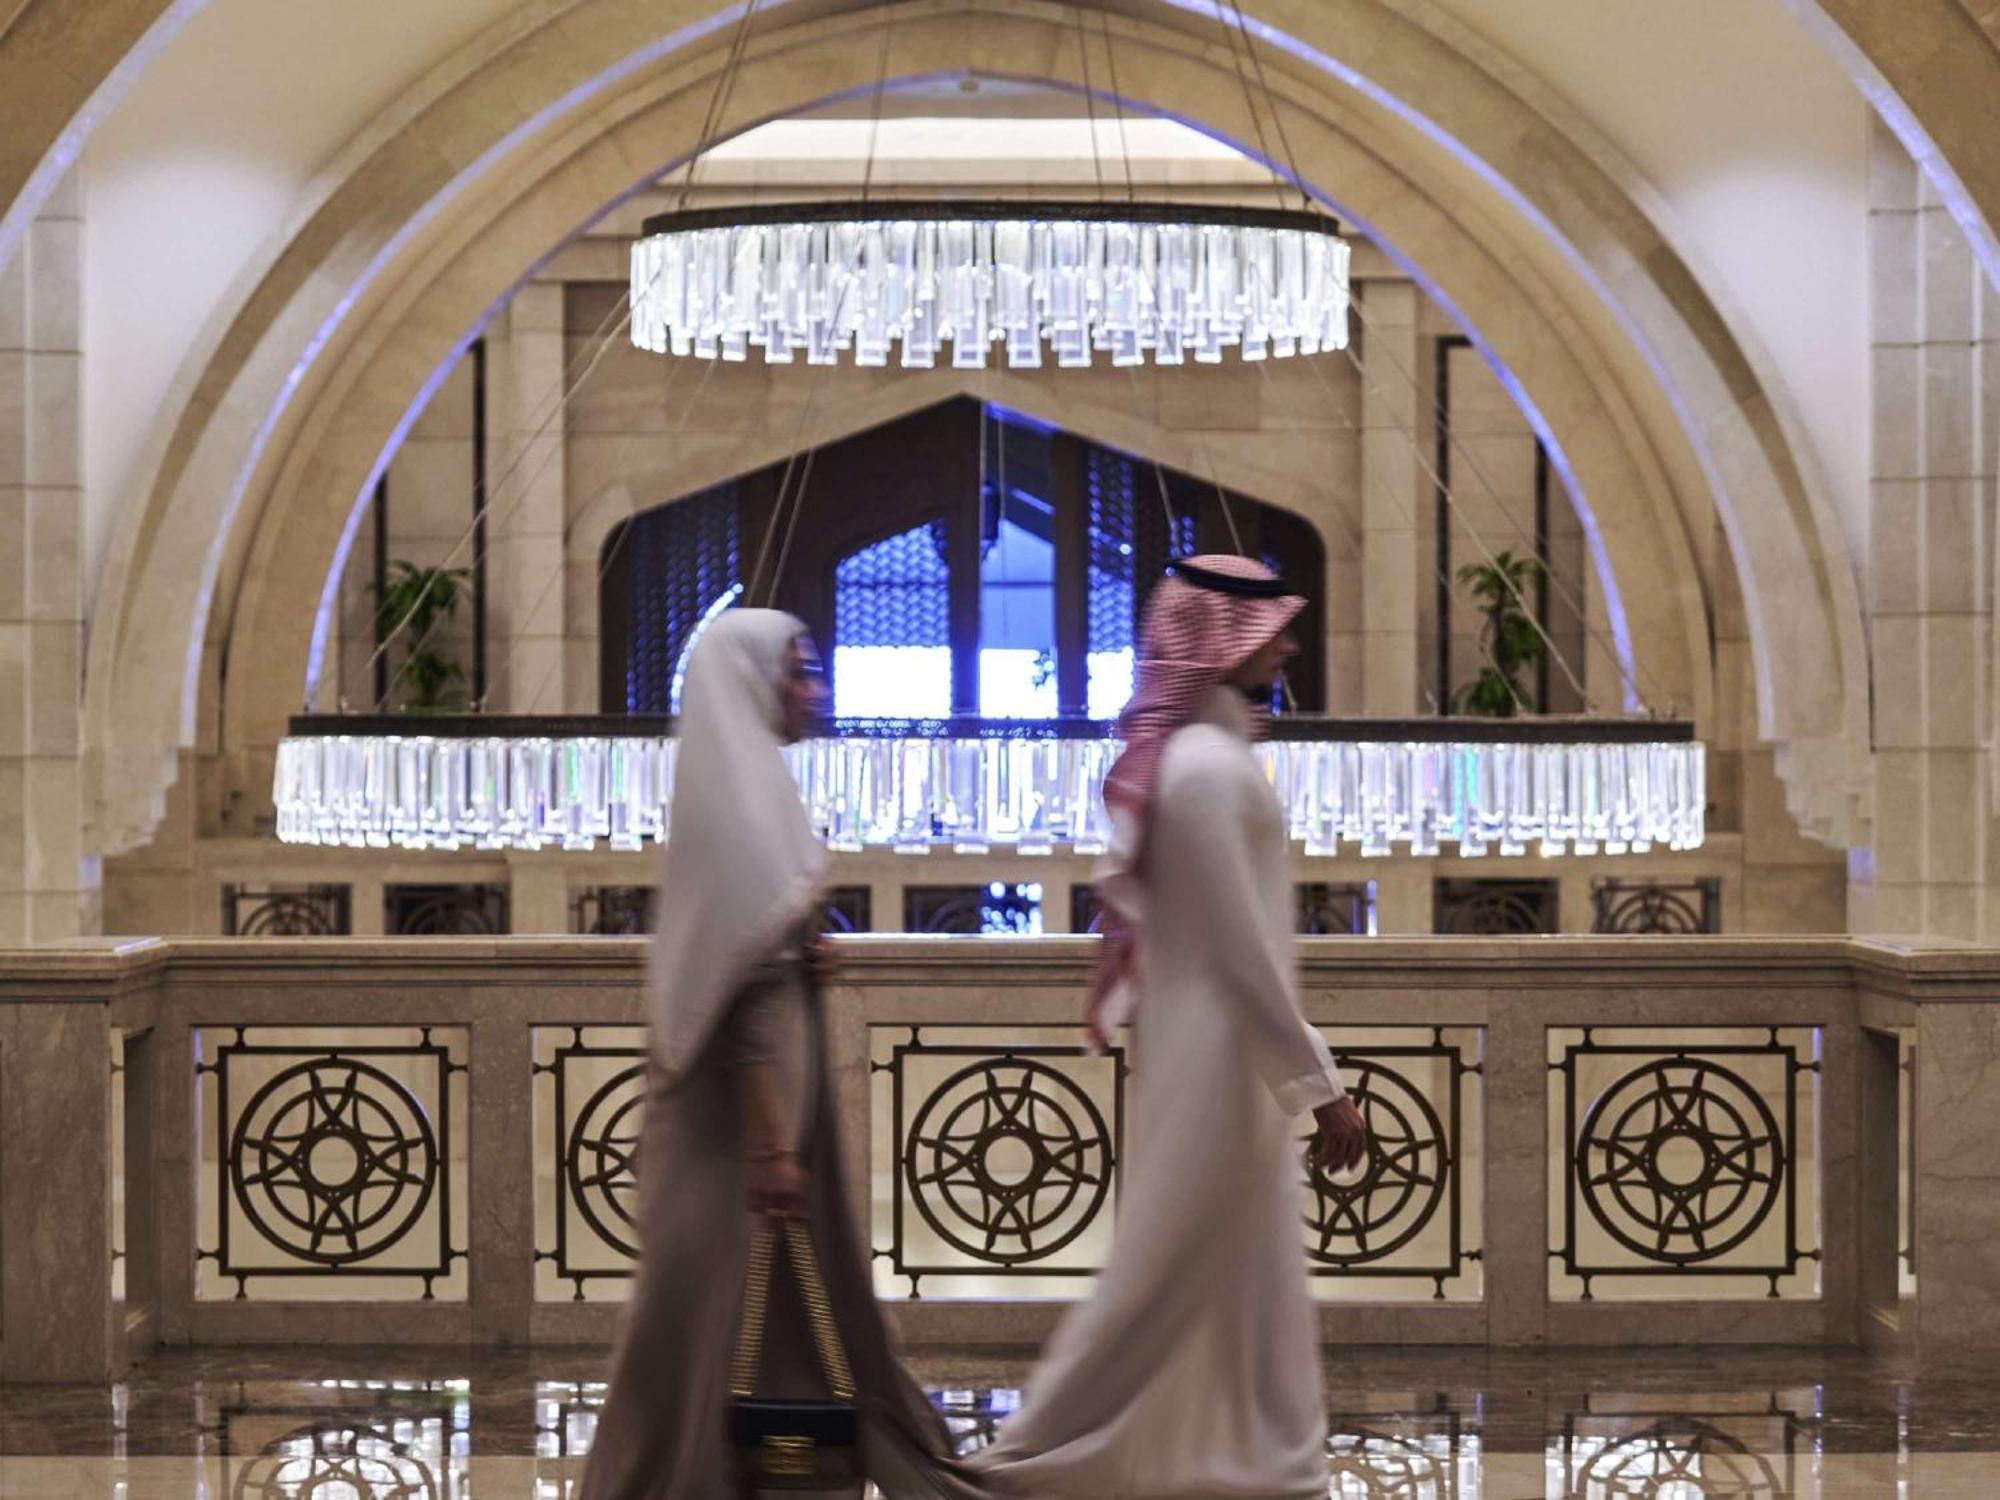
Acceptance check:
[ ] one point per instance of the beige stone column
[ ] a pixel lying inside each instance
(47, 889)
(1930, 544)
(1390, 482)
(526, 511)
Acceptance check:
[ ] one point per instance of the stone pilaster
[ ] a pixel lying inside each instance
(1930, 544)
(1390, 485)
(527, 510)
(47, 888)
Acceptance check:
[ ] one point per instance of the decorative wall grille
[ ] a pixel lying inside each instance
(333, 1162)
(287, 911)
(1659, 907)
(1684, 1155)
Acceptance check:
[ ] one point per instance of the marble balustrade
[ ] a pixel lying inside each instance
(1580, 1141)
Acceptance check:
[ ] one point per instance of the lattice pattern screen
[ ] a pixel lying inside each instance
(892, 627)
(683, 558)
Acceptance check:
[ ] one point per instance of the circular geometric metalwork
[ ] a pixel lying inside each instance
(336, 1463)
(1652, 909)
(1008, 1161)
(601, 1159)
(1680, 1161)
(1385, 1466)
(1498, 910)
(1682, 1458)
(448, 911)
(293, 914)
(333, 1161)
(1400, 1184)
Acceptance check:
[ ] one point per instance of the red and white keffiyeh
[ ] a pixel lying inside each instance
(1204, 621)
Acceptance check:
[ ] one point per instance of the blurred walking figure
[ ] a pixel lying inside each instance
(739, 1118)
(1194, 1368)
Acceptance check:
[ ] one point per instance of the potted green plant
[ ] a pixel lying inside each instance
(1508, 637)
(410, 602)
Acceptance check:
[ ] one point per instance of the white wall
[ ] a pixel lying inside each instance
(192, 181)
(1758, 143)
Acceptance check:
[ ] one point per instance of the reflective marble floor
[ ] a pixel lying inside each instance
(1405, 1424)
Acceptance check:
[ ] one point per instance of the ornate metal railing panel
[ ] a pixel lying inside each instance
(287, 911)
(1494, 908)
(1684, 1154)
(590, 1100)
(1405, 1213)
(1333, 909)
(1086, 908)
(1001, 1153)
(1657, 908)
(1000, 1147)
(612, 911)
(444, 910)
(332, 1163)
(963, 910)
(850, 908)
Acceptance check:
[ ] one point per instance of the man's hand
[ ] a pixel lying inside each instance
(822, 963)
(778, 1186)
(1341, 1139)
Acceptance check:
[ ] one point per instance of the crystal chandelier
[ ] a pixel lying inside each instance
(1119, 279)
(1580, 786)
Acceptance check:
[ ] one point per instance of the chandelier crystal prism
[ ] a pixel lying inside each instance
(1122, 280)
(1420, 787)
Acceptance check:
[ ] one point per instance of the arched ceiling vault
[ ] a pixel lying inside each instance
(426, 230)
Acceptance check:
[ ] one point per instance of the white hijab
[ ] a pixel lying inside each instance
(742, 865)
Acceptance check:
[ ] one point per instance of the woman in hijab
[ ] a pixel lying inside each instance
(1194, 1368)
(740, 1118)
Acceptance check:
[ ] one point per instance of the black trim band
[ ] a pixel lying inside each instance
(1540, 730)
(959, 210)
(1224, 583)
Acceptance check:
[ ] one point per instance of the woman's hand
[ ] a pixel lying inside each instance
(778, 1185)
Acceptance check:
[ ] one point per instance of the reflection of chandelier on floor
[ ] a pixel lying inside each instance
(1120, 279)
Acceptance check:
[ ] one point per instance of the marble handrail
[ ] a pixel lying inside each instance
(1850, 1009)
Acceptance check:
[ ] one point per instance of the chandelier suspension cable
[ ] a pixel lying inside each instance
(718, 99)
(875, 105)
(1528, 612)
(1117, 104)
(1628, 672)
(1271, 103)
(597, 345)
(610, 554)
(1231, 36)
(1090, 102)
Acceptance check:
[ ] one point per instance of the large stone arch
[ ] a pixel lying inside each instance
(1931, 68)
(405, 297)
(62, 69)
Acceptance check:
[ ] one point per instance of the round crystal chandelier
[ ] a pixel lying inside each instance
(1081, 278)
(1472, 786)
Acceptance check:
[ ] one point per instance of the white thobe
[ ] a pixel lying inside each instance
(1193, 1370)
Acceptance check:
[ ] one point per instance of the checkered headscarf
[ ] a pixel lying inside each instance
(1204, 621)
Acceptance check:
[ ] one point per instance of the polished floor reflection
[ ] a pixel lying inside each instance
(1404, 1424)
